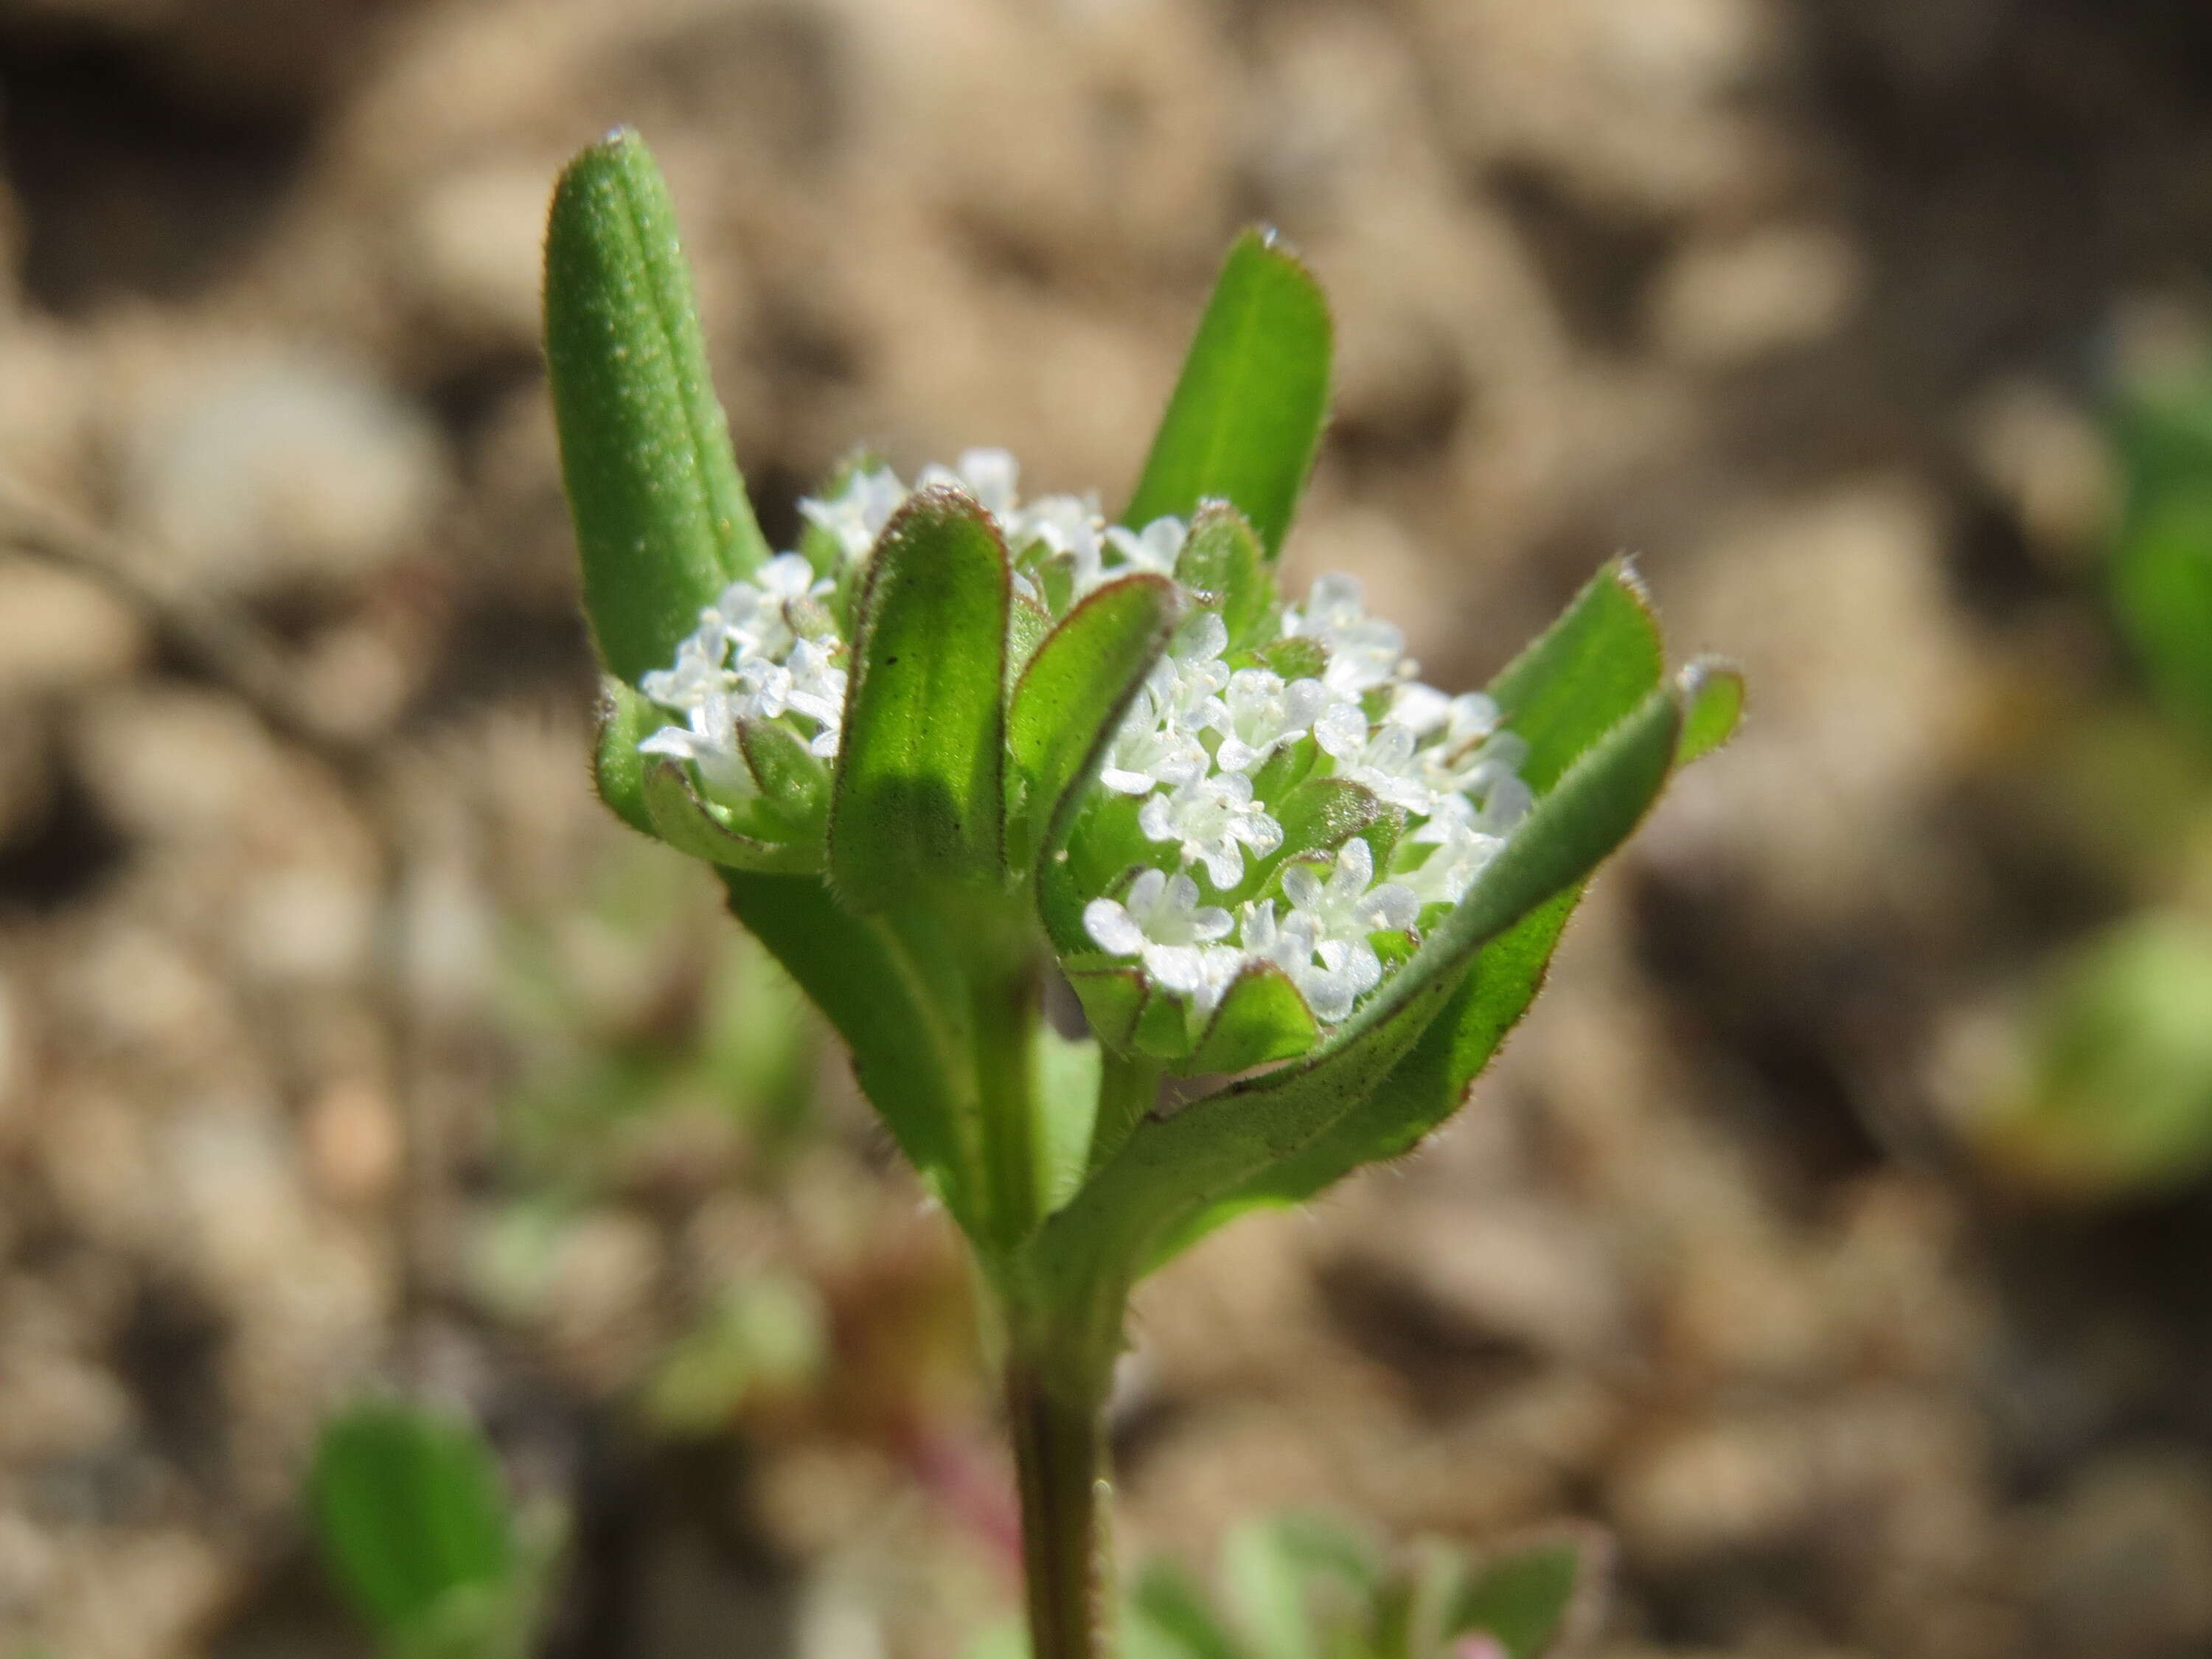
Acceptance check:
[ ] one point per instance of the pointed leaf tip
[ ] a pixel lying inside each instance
(1246, 416)
(1712, 692)
(1583, 675)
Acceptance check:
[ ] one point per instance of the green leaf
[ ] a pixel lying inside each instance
(1167, 1618)
(662, 521)
(1422, 1090)
(1142, 1204)
(2114, 1096)
(686, 823)
(1265, 1589)
(1583, 674)
(1716, 705)
(1523, 1598)
(794, 783)
(1262, 1017)
(1112, 998)
(410, 1510)
(919, 804)
(865, 980)
(1223, 566)
(1246, 414)
(2162, 588)
(1070, 701)
(625, 720)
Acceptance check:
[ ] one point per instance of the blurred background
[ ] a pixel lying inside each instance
(1833, 1234)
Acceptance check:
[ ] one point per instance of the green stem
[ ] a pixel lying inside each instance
(1059, 1465)
(1127, 1086)
(1005, 1006)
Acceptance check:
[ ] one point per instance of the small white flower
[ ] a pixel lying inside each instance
(1419, 708)
(1069, 526)
(1348, 905)
(1487, 771)
(1459, 847)
(1150, 750)
(699, 672)
(1474, 715)
(1385, 762)
(708, 739)
(1363, 651)
(818, 692)
(1289, 944)
(856, 514)
(1157, 742)
(1337, 916)
(1212, 820)
(1325, 971)
(756, 611)
(1162, 923)
(1155, 547)
(1260, 713)
(988, 475)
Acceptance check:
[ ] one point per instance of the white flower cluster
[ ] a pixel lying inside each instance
(1199, 730)
(1198, 733)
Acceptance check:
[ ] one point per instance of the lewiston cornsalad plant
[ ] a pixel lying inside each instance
(959, 745)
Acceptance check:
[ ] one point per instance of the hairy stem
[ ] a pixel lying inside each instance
(1059, 1464)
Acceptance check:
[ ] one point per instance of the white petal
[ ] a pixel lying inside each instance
(1109, 926)
(1420, 709)
(1342, 731)
(1175, 966)
(1355, 866)
(1225, 864)
(1301, 886)
(1392, 905)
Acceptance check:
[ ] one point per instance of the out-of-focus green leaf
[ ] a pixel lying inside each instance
(2115, 1096)
(1167, 1617)
(625, 718)
(1523, 1597)
(2162, 586)
(919, 804)
(1070, 700)
(661, 517)
(1222, 564)
(1583, 674)
(1267, 1592)
(410, 1511)
(1246, 414)
(768, 1333)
